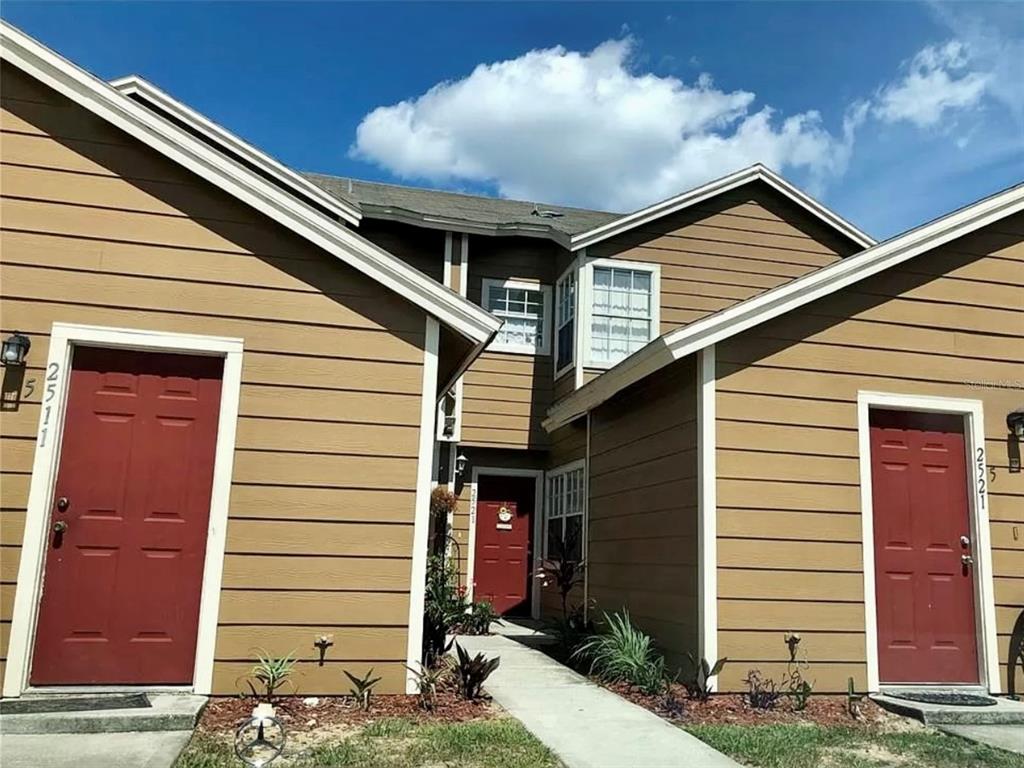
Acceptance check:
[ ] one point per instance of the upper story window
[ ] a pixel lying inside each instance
(565, 321)
(622, 302)
(526, 310)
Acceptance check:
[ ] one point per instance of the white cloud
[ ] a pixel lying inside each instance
(585, 128)
(938, 80)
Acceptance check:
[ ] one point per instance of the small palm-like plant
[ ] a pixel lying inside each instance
(271, 672)
(428, 680)
(473, 672)
(623, 653)
(698, 684)
(362, 688)
(562, 569)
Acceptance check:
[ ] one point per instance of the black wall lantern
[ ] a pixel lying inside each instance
(460, 463)
(1014, 423)
(15, 349)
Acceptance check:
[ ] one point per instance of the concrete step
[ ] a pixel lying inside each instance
(165, 712)
(1004, 712)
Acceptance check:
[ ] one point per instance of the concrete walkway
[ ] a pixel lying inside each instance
(585, 725)
(156, 749)
(1008, 737)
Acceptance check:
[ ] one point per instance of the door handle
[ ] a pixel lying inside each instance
(60, 526)
(966, 560)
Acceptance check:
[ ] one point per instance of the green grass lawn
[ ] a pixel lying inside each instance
(813, 746)
(397, 743)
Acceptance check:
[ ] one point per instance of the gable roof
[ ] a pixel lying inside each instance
(242, 182)
(728, 322)
(573, 228)
(756, 172)
(148, 94)
(438, 209)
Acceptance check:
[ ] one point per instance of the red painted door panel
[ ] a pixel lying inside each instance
(924, 593)
(121, 588)
(504, 530)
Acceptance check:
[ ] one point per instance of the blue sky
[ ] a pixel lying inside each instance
(890, 113)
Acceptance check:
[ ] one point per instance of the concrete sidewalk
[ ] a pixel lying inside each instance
(154, 749)
(584, 724)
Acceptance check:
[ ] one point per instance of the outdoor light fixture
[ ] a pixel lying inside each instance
(15, 349)
(460, 463)
(1014, 419)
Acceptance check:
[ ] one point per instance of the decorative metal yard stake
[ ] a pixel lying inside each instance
(267, 744)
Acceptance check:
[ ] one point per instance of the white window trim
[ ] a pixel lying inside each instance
(571, 271)
(63, 338)
(984, 597)
(552, 474)
(521, 349)
(585, 292)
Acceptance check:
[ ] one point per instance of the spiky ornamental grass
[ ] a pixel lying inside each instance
(623, 653)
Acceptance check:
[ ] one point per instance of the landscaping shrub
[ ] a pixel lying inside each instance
(563, 570)
(271, 672)
(428, 679)
(477, 618)
(622, 653)
(362, 688)
(762, 693)
(473, 672)
(698, 680)
(444, 607)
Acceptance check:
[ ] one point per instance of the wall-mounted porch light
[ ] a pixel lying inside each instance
(1015, 423)
(15, 349)
(460, 463)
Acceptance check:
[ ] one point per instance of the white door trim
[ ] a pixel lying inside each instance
(973, 411)
(63, 338)
(421, 514)
(538, 513)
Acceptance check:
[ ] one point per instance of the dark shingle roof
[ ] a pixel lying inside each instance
(375, 197)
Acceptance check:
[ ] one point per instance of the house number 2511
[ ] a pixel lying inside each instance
(979, 462)
(52, 374)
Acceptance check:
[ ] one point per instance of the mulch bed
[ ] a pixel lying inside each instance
(732, 709)
(223, 715)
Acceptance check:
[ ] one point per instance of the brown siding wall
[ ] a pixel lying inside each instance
(643, 508)
(727, 249)
(948, 323)
(98, 229)
(418, 246)
(506, 395)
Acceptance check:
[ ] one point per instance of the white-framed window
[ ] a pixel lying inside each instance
(622, 309)
(565, 321)
(526, 310)
(564, 510)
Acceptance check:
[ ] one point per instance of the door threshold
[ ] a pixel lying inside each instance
(70, 690)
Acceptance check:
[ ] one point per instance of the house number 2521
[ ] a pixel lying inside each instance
(979, 462)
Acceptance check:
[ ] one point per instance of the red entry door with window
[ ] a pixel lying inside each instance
(924, 580)
(504, 531)
(127, 534)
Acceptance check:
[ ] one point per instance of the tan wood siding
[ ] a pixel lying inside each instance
(505, 395)
(727, 249)
(948, 323)
(98, 229)
(643, 508)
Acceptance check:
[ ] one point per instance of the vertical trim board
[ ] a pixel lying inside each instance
(707, 503)
(418, 575)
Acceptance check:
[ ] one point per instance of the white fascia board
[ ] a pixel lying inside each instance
(139, 87)
(178, 145)
(707, 191)
(729, 322)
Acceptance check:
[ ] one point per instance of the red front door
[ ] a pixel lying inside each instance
(924, 590)
(121, 585)
(504, 525)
